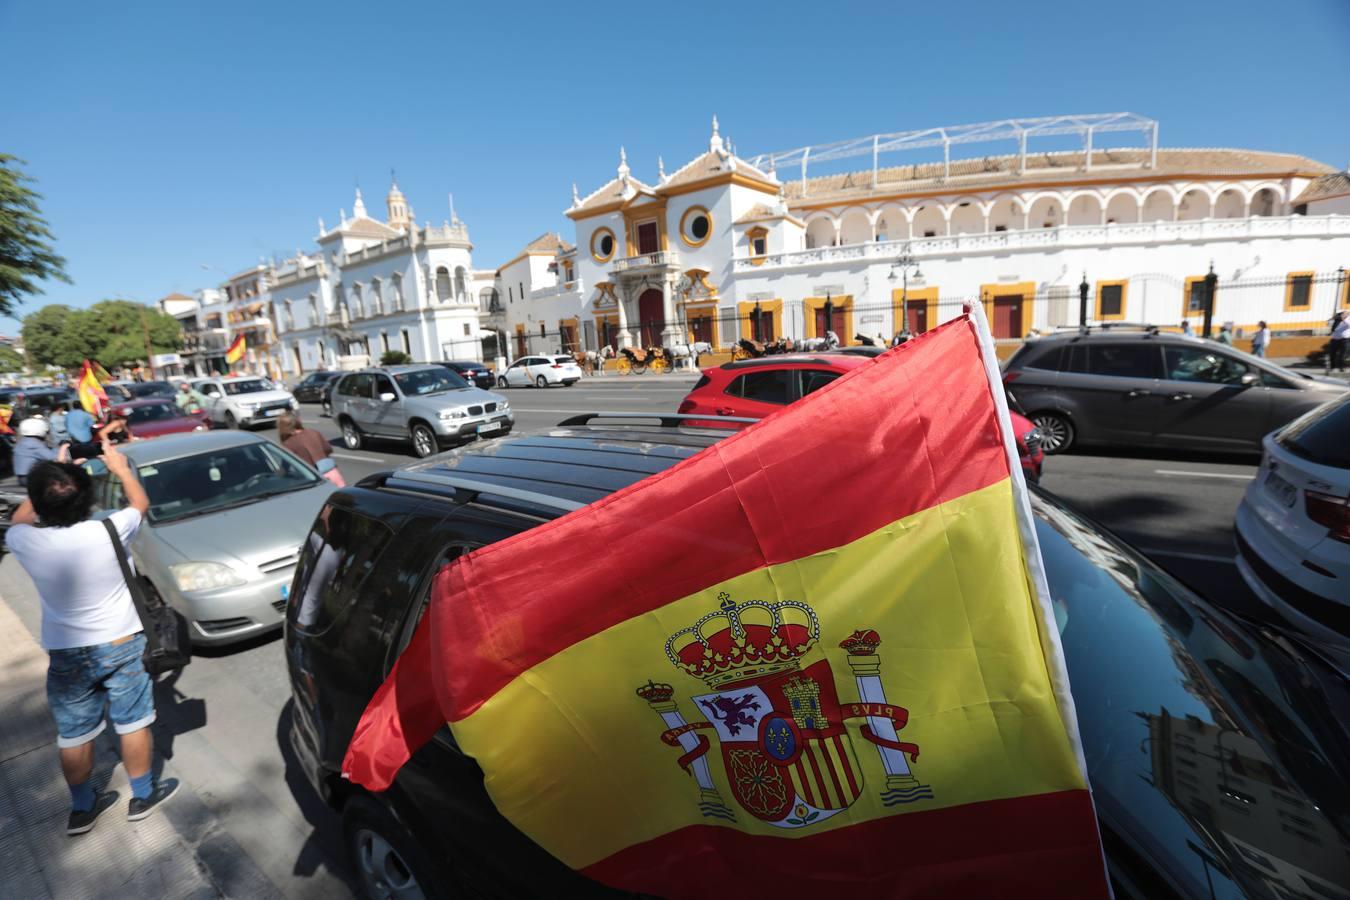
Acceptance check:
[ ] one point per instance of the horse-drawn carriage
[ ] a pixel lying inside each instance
(637, 360)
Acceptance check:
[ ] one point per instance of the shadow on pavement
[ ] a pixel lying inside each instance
(324, 847)
(175, 714)
(1166, 454)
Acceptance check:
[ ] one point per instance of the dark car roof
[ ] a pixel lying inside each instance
(838, 361)
(460, 363)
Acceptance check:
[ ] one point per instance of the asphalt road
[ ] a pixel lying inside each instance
(223, 724)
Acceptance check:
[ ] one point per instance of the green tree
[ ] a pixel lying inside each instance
(26, 256)
(394, 358)
(11, 360)
(51, 337)
(110, 331)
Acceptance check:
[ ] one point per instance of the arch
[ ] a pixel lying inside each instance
(892, 223)
(1006, 213)
(820, 231)
(396, 283)
(1123, 206)
(1265, 200)
(313, 301)
(855, 227)
(651, 317)
(929, 221)
(1194, 204)
(1084, 208)
(340, 310)
(1230, 204)
(288, 315)
(358, 303)
(376, 297)
(1159, 205)
(966, 216)
(461, 284)
(1045, 211)
(444, 290)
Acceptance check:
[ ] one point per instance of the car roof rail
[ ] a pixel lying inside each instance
(667, 420)
(474, 487)
(774, 359)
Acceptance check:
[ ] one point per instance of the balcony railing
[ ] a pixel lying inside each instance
(659, 260)
(558, 290)
(1063, 236)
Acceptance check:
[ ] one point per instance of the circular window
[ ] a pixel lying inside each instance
(696, 226)
(602, 244)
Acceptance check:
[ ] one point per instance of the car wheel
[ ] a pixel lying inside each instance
(387, 859)
(1057, 432)
(327, 409)
(230, 421)
(541, 381)
(501, 382)
(423, 441)
(351, 435)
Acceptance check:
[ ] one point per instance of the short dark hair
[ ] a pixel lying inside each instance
(62, 493)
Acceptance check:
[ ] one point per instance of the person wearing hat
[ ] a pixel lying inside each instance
(31, 448)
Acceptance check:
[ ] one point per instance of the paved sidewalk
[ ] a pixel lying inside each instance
(165, 855)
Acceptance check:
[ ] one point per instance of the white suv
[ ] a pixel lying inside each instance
(241, 401)
(541, 371)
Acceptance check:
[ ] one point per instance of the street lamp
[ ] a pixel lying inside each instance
(756, 325)
(904, 262)
(1082, 303)
(1211, 285)
(829, 315)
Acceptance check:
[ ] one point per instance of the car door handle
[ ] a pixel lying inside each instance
(725, 410)
(1181, 395)
(1138, 392)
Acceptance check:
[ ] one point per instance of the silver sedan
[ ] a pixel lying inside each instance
(228, 513)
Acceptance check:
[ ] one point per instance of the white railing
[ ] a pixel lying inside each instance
(558, 290)
(646, 261)
(1063, 236)
(437, 233)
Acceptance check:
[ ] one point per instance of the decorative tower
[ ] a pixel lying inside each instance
(359, 207)
(400, 218)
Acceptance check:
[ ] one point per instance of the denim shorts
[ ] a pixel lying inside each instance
(85, 685)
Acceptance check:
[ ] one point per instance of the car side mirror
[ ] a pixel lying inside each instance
(215, 394)
(1250, 379)
(387, 397)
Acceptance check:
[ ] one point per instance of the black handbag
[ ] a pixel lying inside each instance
(167, 645)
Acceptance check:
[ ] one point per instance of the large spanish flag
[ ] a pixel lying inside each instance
(236, 350)
(818, 656)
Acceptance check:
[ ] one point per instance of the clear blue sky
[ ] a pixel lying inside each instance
(170, 135)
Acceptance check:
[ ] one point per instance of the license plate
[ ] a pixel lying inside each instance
(272, 412)
(1281, 489)
(489, 426)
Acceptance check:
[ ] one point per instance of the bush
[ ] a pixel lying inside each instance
(394, 358)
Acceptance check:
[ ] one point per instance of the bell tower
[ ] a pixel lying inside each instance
(397, 206)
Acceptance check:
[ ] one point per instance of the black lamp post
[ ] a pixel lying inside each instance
(903, 263)
(755, 323)
(1211, 286)
(1082, 303)
(829, 315)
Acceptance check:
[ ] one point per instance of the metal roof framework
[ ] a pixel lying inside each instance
(1087, 127)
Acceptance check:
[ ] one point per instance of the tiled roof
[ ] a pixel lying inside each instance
(611, 192)
(365, 227)
(175, 296)
(996, 171)
(712, 164)
(761, 212)
(1337, 184)
(547, 244)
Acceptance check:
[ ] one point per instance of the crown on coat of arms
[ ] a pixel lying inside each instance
(655, 693)
(863, 642)
(754, 639)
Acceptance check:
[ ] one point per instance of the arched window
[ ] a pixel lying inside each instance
(340, 305)
(443, 285)
(376, 298)
(313, 310)
(358, 304)
(288, 317)
(398, 292)
(461, 285)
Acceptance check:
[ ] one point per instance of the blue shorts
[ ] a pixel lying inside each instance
(85, 685)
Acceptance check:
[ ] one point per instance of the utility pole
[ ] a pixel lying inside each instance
(1082, 303)
(149, 358)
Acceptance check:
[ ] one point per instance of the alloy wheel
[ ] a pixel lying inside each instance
(351, 436)
(385, 873)
(1056, 432)
(541, 381)
(424, 442)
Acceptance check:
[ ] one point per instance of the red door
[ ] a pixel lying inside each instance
(1008, 317)
(520, 343)
(837, 326)
(648, 238)
(916, 316)
(651, 315)
(702, 328)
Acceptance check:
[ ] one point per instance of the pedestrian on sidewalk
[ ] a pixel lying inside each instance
(91, 631)
(1225, 334)
(309, 446)
(1186, 328)
(1340, 340)
(1261, 340)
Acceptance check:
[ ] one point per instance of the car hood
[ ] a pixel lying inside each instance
(246, 536)
(259, 397)
(466, 396)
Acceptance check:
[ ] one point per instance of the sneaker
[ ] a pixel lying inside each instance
(80, 822)
(140, 808)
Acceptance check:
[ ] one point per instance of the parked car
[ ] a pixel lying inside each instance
(540, 371)
(475, 373)
(1293, 526)
(156, 417)
(242, 401)
(1215, 749)
(311, 388)
(228, 513)
(1145, 388)
(136, 390)
(755, 388)
(429, 406)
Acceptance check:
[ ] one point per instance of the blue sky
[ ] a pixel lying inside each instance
(168, 136)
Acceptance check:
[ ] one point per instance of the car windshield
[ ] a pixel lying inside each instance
(221, 479)
(249, 386)
(117, 391)
(150, 389)
(564, 359)
(152, 412)
(1322, 436)
(429, 381)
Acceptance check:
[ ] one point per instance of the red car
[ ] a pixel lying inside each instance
(755, 388)
(155, 416)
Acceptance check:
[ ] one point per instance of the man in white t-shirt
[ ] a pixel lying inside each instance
(90, 630)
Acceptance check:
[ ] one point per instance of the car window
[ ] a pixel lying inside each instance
(1271, 380)
(246, 386)
(1123, 360)
(221, 479)
(563, 359)
(1322, 436)
(382, 385)
(341, 550)
(152, 412)
(1203, 364)
(444, 558)
(815, 379)
(1051, 359)
(355, 386)
(429, 381)
(763, 387)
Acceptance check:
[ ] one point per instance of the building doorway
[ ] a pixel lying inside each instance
(916, 316)
(1008, 316)
(651, 316)
(648, 238)
(702, 329)
(836, 323)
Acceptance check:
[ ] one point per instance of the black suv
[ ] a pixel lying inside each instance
(1149, 388)
(1207, 739)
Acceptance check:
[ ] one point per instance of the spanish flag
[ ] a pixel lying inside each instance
(92, 396)
(816, 659)
(236, 350)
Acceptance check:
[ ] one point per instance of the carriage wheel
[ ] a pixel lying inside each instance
(623, 366)
(739, 353)
(659, 366)
(639, 368)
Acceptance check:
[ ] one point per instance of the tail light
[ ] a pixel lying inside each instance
(1330, 511)
(556, 366)
(686, 406)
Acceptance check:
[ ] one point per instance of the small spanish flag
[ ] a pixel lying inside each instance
(92, 396)
(236, 351)
(819, 659)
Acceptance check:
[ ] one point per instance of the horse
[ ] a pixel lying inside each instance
(691, 351)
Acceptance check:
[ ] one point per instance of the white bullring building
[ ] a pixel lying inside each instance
(726, 247)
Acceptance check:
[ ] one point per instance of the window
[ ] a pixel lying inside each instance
(1298, 291)
(1195, 297)
(461, 284)
(380, 385)
(337, 556)
(763, 387)
(443, 285)
(466, 329)
(759, 242)
(358, 306)
(815, 379)
(602, 244)
(384, 342)
(407, 342)
(1110, 300)
(354, 386)
(313, 310)
(1124, 360)
(289, 315)
(397, 282)
(1050, 360)
(648, 236)
(1203, 365)
(696, 226)
(376, 298)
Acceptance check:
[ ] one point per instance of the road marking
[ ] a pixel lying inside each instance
(1203, 557)
(357, 456)
(1187, 472)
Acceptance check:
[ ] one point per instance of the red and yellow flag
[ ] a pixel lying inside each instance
(236, 350)
(818, 655)
(90, 391)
